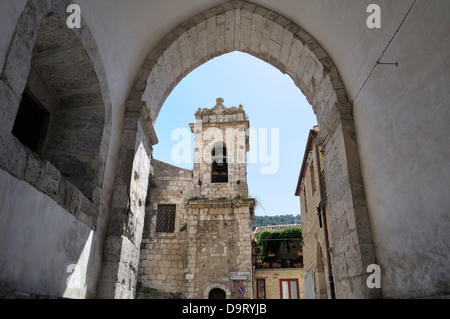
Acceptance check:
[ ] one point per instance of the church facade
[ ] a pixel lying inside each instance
(198, 223)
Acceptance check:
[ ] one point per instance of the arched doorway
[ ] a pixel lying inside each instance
(217, 293)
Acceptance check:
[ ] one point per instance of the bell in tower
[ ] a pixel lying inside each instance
(221, 143)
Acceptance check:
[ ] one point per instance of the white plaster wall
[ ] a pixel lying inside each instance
(402, 118)
(44, 249)
(340, 27)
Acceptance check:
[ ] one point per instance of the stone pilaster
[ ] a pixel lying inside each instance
(353, 248)
(124, 234)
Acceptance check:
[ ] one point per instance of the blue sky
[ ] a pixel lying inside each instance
(271, 101)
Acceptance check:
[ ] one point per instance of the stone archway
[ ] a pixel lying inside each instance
(217, 290)
(62, 70)
(250, 28)
(246, 27)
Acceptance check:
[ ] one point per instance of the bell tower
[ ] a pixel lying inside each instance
(220, 211)
(220, 156)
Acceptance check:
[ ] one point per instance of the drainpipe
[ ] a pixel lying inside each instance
(322, 213)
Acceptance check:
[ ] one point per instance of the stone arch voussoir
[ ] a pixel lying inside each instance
(240, 26)
(217, 285)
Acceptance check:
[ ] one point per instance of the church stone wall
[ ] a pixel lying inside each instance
(163, 255)
(211, 238)
(219, 243)
(210, 235)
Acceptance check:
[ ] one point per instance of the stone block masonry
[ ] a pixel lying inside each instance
(210, 232)
(211, 237)
(220, 244)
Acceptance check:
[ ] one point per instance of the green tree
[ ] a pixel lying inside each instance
(275, 220)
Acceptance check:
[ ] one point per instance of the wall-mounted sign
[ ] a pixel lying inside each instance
(241, 290)
(240, 276)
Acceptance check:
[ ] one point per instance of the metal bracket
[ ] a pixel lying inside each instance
(388, 63)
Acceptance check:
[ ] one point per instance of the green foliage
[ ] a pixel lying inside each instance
(275, 220)
(267, 246)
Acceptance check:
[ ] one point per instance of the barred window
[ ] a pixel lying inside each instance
(260, 289)
(165, 219)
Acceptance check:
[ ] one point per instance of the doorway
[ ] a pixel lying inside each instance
(217, 293)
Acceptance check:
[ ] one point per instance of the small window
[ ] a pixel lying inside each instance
(165, 219)
(219, 171)
(289, 289)
(30, 126)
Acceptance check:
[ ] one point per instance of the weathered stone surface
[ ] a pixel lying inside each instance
(128, 208)
(249, 28)
(50, 180)
(211, 235)
(413, 96)
(17, 65)
(9, 106)
(32, 46)
(35, 169)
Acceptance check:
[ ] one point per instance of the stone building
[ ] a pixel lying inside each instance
(281, 274)
(198, 223)
(73, 188)
(278, 283)
(317, 246)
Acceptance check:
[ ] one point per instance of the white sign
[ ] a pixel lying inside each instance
(240, 276)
